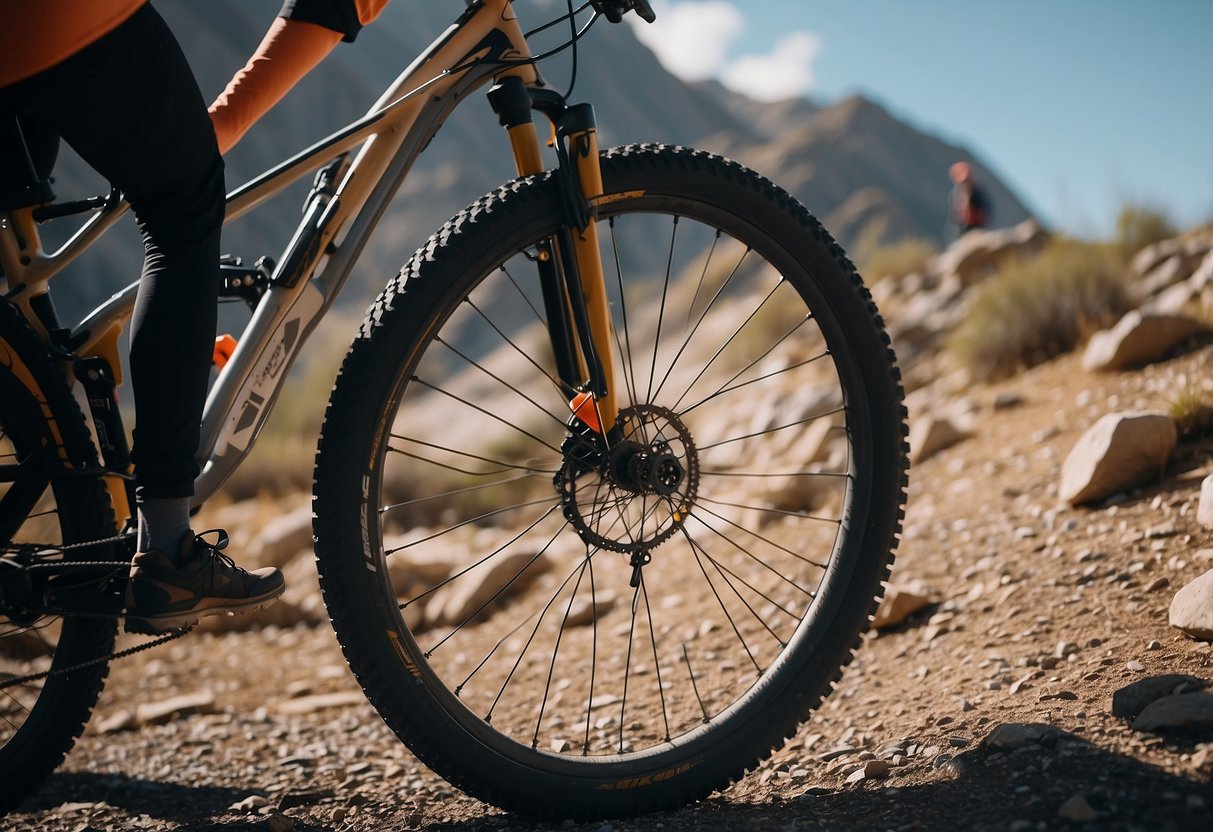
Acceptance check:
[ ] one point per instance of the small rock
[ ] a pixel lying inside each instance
(1132, 699)
(249, 805)
(876, 769)
(585, 611)
(1158, 583)
(322, 701)
(279, 823)
(1120, 451)
(1077, 809)
(1205, 507)
(1012, 736)
(123, 719)
(167, 710)
(1192, 608)
(1202, 761)
(898, 604)
(1007, 400)
(1134, 665)
(1186, 713)
(1137, 339)
(1067, 695)
(931, 434)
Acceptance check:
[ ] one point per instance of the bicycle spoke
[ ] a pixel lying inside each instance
(502, 382)
(488, 413)
(547, 688)
(665, 716)
(720, 602)
(799, 515)
(466, 570)
(728, 387)
(703, 316)
(560, 386)
(723, 347)
(665, 290)
(629, 367)
(769, 431)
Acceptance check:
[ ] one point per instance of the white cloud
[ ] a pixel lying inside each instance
(692, 39)
(784, 72)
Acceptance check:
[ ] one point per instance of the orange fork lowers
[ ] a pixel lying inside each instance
(599, 414)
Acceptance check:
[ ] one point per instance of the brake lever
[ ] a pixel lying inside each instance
(644, 10)
(614, 10)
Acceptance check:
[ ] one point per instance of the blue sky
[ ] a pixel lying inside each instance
(1081, 105)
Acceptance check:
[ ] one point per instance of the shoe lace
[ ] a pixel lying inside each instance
(215, 550)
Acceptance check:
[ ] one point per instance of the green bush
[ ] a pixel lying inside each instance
(1039, 307)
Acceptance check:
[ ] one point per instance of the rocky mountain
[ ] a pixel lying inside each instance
(853, 163)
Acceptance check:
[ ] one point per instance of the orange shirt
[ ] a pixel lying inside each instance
(37, 34)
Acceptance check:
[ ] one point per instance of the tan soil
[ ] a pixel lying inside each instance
(1043, 612)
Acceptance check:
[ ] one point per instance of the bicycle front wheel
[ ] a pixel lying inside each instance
(42, 435)
(571, 631)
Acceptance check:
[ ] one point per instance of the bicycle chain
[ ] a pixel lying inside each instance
(121, 654)
(44, 548)
(114, 656)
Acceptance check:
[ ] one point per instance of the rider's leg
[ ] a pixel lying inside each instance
(130, 107)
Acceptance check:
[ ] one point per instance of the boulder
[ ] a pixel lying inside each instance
(1152, 256)
(1120, 451)
(284, 537)
(1192, 608)
(978, 253)
(1138, 339)
(1166, 273)
(472, 597)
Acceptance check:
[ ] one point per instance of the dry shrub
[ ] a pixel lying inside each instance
(1192, 409)
(1138, 226)
(1039, 307)
(906, 256)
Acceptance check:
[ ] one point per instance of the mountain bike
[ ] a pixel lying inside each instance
(607, 485)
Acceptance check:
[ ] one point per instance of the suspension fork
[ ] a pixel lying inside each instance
(570, 264)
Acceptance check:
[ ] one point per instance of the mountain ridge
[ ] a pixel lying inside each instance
(852, 163)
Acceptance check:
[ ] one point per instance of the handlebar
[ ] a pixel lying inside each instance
(616, 9)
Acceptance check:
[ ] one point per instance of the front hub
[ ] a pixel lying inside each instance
(641, 490)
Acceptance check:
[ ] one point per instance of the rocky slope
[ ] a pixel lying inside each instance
(1033, 674)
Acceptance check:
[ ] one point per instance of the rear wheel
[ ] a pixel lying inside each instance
(567, 629)
(40, 719)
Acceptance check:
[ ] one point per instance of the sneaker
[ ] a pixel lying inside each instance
(165, 595)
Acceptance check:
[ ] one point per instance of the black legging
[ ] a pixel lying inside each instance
(129, 105)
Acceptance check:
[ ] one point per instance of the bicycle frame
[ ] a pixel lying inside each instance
(484, 44)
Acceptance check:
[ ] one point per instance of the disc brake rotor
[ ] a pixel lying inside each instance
(637, 494)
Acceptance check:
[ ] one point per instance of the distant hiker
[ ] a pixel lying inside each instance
(969, 206)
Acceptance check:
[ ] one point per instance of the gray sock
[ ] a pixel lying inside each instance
(162, 522)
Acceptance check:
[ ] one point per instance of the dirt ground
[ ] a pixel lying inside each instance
(1041, 612)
